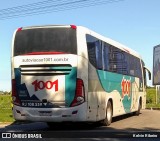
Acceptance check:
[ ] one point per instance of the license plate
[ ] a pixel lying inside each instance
(45, 113)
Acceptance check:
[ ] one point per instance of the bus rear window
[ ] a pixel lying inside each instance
(45, 40)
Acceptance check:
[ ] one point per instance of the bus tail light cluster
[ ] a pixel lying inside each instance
(79, 93)
(15, 98)
(73, 27)
(19, 29)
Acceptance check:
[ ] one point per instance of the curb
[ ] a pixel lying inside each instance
(6, 123)
(153, 108)
(3, 124)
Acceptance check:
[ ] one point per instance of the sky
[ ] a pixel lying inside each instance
(134, 23)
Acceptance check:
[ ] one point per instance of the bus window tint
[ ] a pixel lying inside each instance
(98, 54)
(109, 58)
(105, 57)
(135, 67)
(118, 61)
(45, 40)
(94, 51)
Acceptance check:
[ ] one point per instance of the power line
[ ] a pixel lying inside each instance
(49, 6)
(32, 6)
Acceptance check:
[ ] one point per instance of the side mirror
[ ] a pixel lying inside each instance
(149, 73)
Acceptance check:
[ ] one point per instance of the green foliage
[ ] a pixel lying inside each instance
(151, 96)
(150, 105)
(6, 108)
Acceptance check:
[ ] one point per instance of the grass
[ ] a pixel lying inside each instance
(151, 105)
(6, 109)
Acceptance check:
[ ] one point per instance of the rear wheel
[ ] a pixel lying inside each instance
(109, 111)
(139, 108)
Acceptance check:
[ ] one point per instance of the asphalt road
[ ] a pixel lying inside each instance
(147, 123)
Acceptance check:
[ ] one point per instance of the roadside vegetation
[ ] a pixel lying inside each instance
(6, 107)
(151, 98)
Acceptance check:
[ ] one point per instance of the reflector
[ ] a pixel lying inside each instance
(73, 26)
(19, 29)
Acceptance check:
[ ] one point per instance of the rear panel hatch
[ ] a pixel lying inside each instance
(48, 84)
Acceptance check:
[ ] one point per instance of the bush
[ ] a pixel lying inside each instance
(148, 100)
(6, 108)
(151, 96)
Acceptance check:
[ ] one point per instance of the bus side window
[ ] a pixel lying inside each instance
(139, 72)
(122, 64)
(105, 56)
(91, 49)
(94, 51)
(98, 45)
(92, 54)
(118, 61)
(144, 75)
(135, 69)
(132, 65)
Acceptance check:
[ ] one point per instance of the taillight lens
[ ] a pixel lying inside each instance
(73, 27)
(19, 29)
(15, 98)
(79, 93)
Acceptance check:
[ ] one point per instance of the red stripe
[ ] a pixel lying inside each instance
(44, 53)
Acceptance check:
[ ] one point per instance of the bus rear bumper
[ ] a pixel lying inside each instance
(73, 114)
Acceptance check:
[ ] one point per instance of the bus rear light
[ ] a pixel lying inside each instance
(79, 94)
(13, 87)
(15, 98)
(20, 113)
(73, 26)
(19, 29)
(74, 112)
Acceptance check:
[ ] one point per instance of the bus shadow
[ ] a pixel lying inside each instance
(65, 126)
(122, 117)
(85, 126)
(72, 126)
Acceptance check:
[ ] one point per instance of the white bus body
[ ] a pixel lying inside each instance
(70, 73)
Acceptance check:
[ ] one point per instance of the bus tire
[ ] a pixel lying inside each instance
(139, 108)
(109, 111)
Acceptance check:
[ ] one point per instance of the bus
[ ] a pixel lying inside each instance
(68, 73)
